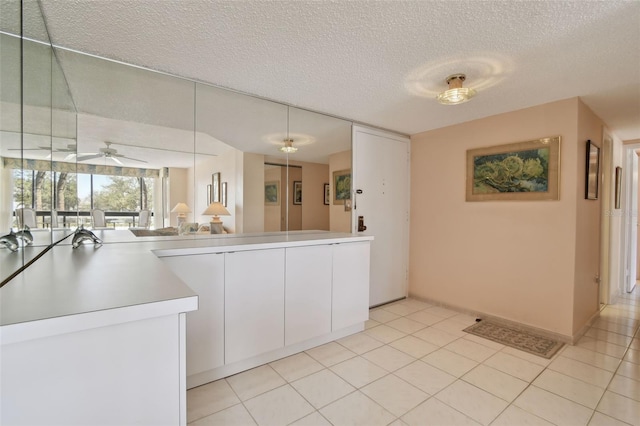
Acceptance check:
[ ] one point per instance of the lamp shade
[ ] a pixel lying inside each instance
(181, 208)
(216, 209)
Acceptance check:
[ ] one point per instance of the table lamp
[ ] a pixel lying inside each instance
(181, 209)
(216, 209)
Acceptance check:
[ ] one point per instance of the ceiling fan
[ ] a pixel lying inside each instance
(70, 148)
(107, 152)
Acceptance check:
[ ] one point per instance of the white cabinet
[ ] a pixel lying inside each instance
(259, 305)
(350, 299)
(307, 293)
(254, 303)
(205, 327)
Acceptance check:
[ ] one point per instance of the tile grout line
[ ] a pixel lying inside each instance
(613, 377)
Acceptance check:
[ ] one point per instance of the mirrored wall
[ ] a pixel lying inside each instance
(37, 115)
(153, 152)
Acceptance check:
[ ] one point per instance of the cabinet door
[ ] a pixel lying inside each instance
(204, 274)
(307, 293)
(350, 284)
(254, 302)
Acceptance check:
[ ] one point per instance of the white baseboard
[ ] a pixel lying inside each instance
(525, 327)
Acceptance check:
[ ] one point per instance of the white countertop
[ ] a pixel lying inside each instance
(126, 272)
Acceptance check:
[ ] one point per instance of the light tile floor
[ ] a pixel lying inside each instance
(413, 365)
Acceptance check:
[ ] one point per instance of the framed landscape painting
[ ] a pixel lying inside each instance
(518, 171)
(272, 193)
(341, 186)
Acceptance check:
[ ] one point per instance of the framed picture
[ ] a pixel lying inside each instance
(272, 193)
(618, 188)
(592, 171)
(327, 194)
(215, 188)
(518, 171)
(341, 186)
(297, 192)
(208, 194)
(223, 194)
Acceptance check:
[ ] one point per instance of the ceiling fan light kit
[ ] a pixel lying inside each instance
(456, 94)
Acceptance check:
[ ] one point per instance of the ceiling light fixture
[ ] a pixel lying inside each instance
(456, 94)
(288, 147)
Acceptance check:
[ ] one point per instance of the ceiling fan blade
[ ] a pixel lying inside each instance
(88, 157)
(40, 148)
(116, 160)
(133, 159)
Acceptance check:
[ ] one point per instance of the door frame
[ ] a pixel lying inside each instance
(604, 279)
(629, 246)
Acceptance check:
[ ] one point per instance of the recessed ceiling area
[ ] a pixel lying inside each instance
(380, 63)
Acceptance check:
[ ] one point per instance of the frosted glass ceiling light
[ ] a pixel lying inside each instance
(288, 147)
(456, 93)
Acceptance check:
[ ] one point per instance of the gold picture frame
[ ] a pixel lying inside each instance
(528, 170)
(341, 186)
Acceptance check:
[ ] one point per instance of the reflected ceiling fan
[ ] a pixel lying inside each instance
(107, 152)
(70, 148)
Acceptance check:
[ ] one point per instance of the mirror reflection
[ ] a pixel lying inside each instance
(37, 118)
(124, 148)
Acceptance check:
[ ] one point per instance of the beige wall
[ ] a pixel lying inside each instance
(515, 260)
(180, 191)
(201, 175)
(250, 192)
(315, 214)
(587, 242)
(339, 220)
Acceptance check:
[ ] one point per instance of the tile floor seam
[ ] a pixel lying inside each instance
(577, 378)
(454, 408)
(609, 384)
(298, 392)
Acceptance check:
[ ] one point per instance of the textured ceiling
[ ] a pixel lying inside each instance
(379, 62)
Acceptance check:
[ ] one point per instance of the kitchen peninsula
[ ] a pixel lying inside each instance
(111, 333)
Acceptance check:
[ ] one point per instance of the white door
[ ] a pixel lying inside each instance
(381, 198)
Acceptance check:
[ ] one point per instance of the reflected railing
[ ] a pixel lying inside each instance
(73, 218)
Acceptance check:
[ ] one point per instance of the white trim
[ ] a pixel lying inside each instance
(629, 246)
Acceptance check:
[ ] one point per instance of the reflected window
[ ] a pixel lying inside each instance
(120, 197)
